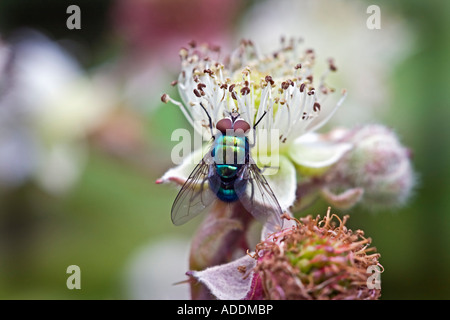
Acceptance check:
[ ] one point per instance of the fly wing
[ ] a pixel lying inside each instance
(195, 195)
(258, 198)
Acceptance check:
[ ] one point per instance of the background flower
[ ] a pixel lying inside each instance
(48, 108)
(154, 269)
(152, 32)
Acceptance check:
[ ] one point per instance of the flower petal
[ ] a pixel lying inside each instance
(231, 281)
(284, 183)
(344, 200)
(179, 174)
(313, 154)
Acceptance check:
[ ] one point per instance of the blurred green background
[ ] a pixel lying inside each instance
(113, 207)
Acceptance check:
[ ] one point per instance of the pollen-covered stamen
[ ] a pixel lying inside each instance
(316, 107)
(331, 64)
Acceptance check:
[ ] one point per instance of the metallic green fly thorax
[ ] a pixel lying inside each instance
(230, 150)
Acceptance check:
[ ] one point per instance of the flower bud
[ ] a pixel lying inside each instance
(378, 164)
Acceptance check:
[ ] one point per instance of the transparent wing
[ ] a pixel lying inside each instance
(258, 198)
(195, 195)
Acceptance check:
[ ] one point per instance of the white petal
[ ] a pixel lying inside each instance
(311, 152)
(225, 281)
(284, 183)
(179, 174)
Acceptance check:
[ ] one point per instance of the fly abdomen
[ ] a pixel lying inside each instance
(227, 176)
(227, 193)
(226, 172)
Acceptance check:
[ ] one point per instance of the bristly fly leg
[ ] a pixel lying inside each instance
(210, 121)
(254, 130)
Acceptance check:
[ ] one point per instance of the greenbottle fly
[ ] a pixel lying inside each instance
(227, 172)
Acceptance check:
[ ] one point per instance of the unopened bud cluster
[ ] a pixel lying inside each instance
(379, 164)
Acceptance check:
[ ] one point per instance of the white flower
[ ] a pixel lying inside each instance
(48, 105)
(283, 85)
(153, 269)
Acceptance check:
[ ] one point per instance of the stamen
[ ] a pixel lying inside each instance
(284, 78)
(302, 87)
(245, 91)
(316, 107)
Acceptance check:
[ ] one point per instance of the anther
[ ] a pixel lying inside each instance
(208, 71)
(316, 106)
(183, 53)
(302, 87)
(245, 91)
(332, 65)
(165, 98)
(269, 80)
(197, 93)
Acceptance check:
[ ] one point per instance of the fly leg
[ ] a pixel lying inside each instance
(254, 130)
(210, 121)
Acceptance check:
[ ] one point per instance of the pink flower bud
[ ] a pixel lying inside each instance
(379, 164)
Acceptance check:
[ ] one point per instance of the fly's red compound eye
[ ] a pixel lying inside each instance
(223, 125)
(241, 126)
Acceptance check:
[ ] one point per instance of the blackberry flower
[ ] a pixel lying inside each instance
(281, 83)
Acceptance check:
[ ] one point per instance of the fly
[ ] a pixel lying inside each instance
(227, 172)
